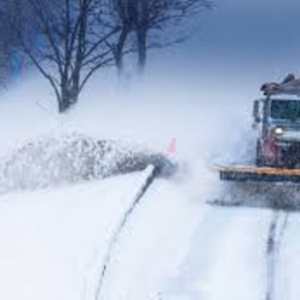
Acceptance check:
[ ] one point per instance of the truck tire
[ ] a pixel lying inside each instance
(259, 161)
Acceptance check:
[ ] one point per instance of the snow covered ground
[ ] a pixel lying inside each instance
(51, 240)
(174, 246)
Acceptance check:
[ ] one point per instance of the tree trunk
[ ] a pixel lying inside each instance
(63, 102)
(62, 105)
(68, 96)
(119, 50)
(75, 84)
(141, 48)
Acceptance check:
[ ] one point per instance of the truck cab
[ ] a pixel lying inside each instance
(277, 122)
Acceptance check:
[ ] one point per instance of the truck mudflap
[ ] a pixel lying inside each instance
(258, 174)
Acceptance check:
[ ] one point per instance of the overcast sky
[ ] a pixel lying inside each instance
(247, 35)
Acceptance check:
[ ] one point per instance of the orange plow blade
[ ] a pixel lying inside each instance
(261, 174)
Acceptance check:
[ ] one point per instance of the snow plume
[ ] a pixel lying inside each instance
(69, 158)
(209, 119)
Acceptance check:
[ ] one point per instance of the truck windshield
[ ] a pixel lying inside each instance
(285, 110)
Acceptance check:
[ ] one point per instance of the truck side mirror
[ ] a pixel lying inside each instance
(256, 111)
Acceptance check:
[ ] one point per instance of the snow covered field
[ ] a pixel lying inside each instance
(174, 246)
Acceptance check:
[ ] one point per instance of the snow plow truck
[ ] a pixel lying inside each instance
(277, 122)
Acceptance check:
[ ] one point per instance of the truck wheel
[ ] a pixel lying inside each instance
(259, 161)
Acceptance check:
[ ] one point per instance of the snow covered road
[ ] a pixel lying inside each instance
(241, 253)
(173, 246)
(226, 258)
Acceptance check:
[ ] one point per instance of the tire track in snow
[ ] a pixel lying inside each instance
(277, 229)
(226, 258)
(280, 203)
(148, 178)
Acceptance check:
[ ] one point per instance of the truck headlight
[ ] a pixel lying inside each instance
(278, 130)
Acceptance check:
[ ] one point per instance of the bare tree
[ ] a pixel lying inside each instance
(8, 42)
(143, 17)
(67, 40)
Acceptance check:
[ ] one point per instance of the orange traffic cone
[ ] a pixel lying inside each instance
(172, 147)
